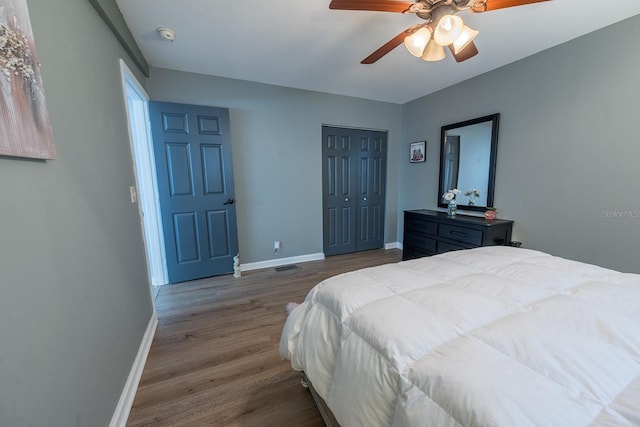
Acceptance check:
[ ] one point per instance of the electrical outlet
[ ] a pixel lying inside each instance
(276, 246)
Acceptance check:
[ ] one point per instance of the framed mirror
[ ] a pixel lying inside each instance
(468, 162)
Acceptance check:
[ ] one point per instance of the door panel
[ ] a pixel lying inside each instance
(209, 125)
(337, 186)
(192, 148)
(179, 170)
(212, 169)
(345, 234)
(354, 163)
(186, 237)
(217, 228)
(371, 193)
(174, 122)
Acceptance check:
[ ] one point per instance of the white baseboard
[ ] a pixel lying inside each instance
(121, 413)
(393, 245)
(302, 258)
(281, 261)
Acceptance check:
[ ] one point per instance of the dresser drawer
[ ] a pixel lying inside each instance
(420, 243)
(408, 253)
(417, 225)
(461, 234)
(448, 247)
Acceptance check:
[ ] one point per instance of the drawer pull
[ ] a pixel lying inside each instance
(459, 233)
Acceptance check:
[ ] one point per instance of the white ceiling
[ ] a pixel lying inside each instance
(302, 44)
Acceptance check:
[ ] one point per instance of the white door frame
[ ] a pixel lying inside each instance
(137, 108)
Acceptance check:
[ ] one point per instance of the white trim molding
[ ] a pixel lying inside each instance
(302, 258)
(393, 245)
(136, 102)
(281, 261)
(123, 408)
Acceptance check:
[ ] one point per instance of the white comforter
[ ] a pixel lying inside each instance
(494, 336)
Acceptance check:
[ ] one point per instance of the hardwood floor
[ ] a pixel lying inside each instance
(214, 360)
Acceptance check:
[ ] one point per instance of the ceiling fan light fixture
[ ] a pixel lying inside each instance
(433, 52)
(448, 29)
(416, 42)
(465, 38)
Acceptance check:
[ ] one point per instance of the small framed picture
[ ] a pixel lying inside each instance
(418, 152)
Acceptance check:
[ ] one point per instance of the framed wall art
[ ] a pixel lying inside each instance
(25, 129)
(418, 152)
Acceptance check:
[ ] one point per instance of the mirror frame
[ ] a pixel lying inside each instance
(495, 121)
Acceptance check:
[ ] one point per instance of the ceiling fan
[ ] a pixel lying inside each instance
(441, 27)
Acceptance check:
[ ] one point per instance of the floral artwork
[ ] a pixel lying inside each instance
(25, 130)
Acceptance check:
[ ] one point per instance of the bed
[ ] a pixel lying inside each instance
(493, 336)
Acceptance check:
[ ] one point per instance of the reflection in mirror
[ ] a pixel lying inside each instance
(467, 162)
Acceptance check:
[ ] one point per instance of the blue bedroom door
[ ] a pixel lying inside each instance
(192, 150)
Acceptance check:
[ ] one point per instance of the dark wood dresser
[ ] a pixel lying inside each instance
(429, 232)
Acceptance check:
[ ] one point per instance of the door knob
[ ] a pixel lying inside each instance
(346, 199)
(364, 198)
(229, 202)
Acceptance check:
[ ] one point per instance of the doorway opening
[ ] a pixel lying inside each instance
(136, 103)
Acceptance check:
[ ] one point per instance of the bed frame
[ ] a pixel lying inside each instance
(326, 413)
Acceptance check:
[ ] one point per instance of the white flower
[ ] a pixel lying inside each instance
(450, 195)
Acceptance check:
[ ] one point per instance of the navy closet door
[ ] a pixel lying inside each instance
(371, 190)
(354, 176)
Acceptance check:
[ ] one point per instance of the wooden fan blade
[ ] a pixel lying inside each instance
(390, 45)
(373, 5)
(501, 4)
(468, 52)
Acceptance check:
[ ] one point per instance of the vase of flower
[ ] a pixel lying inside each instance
(450, 197)
(452, 207)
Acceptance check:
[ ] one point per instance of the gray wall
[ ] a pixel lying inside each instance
(276, 134)
(568, 150)
(74, 299)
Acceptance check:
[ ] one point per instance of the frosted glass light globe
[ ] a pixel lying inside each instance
(448, 29)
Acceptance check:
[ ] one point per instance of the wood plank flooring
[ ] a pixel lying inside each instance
(214, 360)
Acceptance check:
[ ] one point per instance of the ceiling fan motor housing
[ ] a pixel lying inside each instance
(433, 11)
(439, 11)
